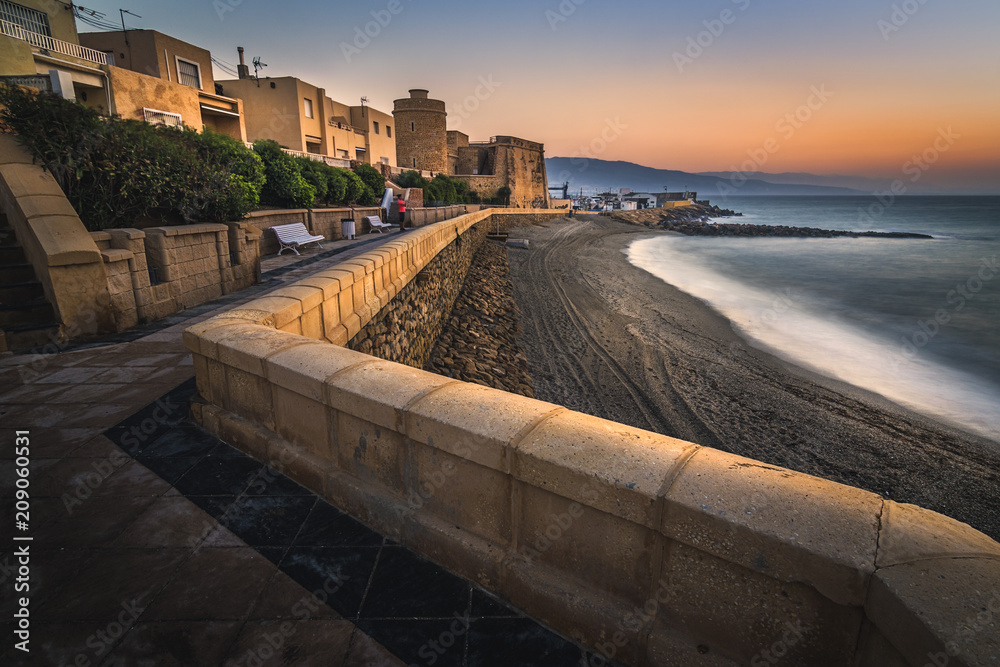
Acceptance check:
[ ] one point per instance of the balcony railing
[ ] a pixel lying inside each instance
(157, 117)
(41, 83)
(46, 43)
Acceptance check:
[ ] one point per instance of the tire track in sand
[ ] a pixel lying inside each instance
(608, 391)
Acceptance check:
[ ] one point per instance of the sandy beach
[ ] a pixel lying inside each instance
(608, 339)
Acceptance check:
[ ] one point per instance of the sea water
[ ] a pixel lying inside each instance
(917, 321)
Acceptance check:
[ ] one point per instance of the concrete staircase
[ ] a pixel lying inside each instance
(27, 319)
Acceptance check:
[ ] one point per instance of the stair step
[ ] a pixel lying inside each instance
(11, 254)
(16, 273)
(16, 293)
(36, 311)
(19, 338)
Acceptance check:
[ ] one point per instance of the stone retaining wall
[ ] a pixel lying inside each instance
(406, 328)
(192, 264)
(651, 550)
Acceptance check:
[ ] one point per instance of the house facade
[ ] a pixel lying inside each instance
(40, 48)
(303, 118)
(164, 80)
(134, 74)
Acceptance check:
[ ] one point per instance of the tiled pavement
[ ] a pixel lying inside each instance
(153, 543)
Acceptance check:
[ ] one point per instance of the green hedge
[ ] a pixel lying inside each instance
(115, 171)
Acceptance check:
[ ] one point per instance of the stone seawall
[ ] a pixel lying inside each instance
(651, 550)
(479, 342)
(406, 329)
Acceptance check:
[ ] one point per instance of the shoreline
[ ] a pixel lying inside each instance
(607, 338)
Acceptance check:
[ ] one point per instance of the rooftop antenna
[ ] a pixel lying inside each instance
(364, 101)
(122, 13)
(257, 67)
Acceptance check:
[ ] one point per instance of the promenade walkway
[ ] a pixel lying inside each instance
(153, 543)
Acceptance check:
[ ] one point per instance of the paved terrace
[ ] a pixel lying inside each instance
(155, 543)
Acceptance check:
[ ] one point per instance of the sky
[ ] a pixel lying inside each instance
(885, 89)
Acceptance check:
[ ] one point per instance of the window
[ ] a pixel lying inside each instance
(414, 163)
(308, 103)
(110, 55)
(188, 73)
(376, 127)
(413, 127)
(388, 131)
(31, 20)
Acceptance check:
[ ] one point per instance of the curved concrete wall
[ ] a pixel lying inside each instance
(651, 550)
(55, 241)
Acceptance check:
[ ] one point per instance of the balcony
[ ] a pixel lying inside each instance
(52, 45)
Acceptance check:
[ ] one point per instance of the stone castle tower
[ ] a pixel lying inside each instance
(421, 132)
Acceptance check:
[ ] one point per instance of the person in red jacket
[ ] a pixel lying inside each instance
(402, 213)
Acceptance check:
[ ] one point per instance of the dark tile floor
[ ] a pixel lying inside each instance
(415, 609)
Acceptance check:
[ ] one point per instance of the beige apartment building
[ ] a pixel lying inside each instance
(161, 79)
(40, 48)
(138, 74)
(301, 117)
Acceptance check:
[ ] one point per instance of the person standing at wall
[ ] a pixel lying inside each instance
(402, 213)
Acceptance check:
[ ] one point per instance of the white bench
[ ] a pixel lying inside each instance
(377, 224)
(290, 237)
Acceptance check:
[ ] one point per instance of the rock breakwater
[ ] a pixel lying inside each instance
(479, 340)
(696, 220)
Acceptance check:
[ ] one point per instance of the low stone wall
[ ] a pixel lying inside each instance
(649, 549)
(192, 263)
(421, 217)
(323, 222)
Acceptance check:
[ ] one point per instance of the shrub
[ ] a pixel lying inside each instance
(246, 176)
(336, 184)
(285, 187)
(316, 174)
(373, 178)
(357, 191)
(412, 179)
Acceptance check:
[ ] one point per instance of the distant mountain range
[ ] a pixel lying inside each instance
(599, 175)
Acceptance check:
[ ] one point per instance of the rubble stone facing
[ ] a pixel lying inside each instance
(406, 328)
(479, 340)
(648, 549)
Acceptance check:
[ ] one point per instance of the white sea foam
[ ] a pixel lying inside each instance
(802, 331)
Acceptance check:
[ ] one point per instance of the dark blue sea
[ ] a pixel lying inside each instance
(917, 321)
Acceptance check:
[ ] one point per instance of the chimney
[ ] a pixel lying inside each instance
(242, 68)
